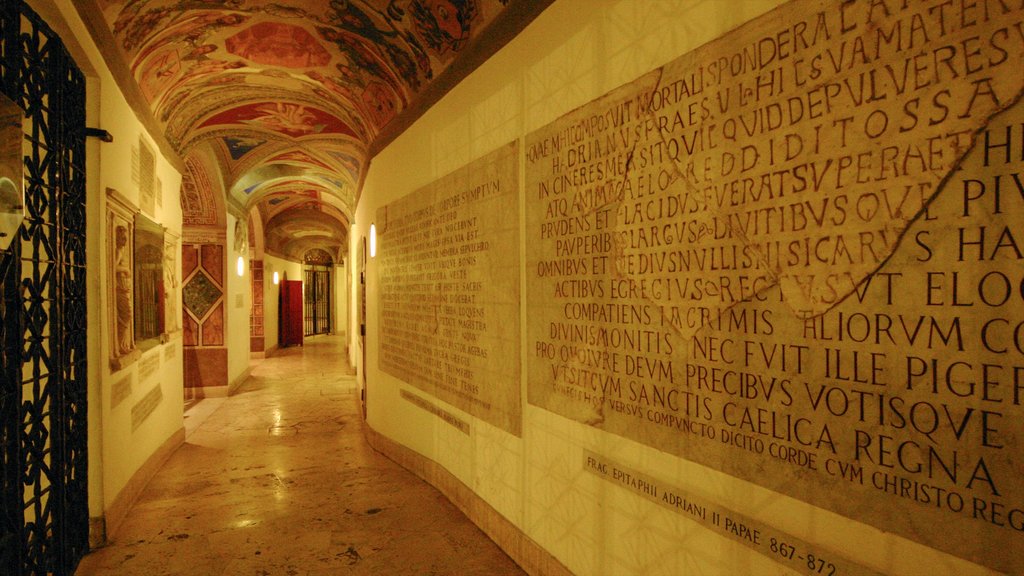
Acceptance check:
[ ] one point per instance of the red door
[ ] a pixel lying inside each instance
(291, 312)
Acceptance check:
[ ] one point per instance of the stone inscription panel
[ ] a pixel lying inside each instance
(449, 418)
(794, 553)
(149, 366)
(146, 406)
(120, 391)
(449, 280)
(795, 255)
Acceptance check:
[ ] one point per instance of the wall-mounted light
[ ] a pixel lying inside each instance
(240, 266)
(373, 240)
(277, 279)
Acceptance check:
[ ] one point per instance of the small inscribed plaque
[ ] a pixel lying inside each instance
(436, 410)
(120, 391)
(143, 408)
(170, 351)
(792, 552)
(148, 366)
(135, 162)
(147, 178)
(795, 255)
(449, 279)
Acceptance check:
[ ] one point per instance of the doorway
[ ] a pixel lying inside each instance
(317, 270)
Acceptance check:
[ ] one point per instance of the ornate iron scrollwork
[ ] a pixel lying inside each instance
(44, 517)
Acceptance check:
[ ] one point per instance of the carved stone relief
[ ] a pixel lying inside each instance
(120, 260)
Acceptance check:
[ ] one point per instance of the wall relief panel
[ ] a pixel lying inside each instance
(120, 279)
(449, 289)
(202, 299)
(795, 255)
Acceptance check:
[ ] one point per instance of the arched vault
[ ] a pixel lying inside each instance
(293, 97)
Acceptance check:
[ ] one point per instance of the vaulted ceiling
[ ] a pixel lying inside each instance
(280, 104)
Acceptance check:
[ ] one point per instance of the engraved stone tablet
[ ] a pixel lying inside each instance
(144, 407)
(148, 366)
(449, 279)
(120, 390)
(795, 255)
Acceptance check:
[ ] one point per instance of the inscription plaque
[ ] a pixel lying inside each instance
(449, 418)
(795, 255)
(142, 409)
(794, 553)
(148, 366)
(120, 391)
(449, 280)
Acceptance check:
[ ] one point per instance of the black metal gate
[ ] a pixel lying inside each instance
(318, 299)
(44, 516)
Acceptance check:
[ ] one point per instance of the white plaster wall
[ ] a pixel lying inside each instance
(355, 342)
(574, 52)
(116, 451)
(341, 299)
(237, 305)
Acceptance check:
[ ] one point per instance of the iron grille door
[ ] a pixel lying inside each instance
(44, 516)
(317, 300)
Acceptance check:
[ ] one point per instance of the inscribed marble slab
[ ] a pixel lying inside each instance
(142, 409)
(149, 366)
(449, 289)
(795, 255)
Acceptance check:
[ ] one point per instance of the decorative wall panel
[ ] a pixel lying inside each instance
(203, 314)
(794, 255)
(120, 279)
(449, 281)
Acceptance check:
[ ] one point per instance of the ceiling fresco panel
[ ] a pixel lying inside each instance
(291, 120)
(290, 95)
(198, 204)
(278, 44)
(239, 146)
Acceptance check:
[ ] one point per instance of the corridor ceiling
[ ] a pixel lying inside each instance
(282, 103)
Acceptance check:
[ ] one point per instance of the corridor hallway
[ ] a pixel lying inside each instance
(279, 481)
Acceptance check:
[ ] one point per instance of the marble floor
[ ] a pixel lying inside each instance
(277, 480)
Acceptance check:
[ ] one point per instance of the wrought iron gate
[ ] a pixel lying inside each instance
(44, 516)
(318, 299)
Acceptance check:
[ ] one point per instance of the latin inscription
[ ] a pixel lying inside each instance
(786, 549)
(144, 407)
(148, 366)
(449, 277)
(456, 422)
(795, 255)
(170, 351)
(120, 391)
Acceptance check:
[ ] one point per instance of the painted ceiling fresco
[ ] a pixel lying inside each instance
(289, 90)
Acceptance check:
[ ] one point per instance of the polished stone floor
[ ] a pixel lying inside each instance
(277, 480)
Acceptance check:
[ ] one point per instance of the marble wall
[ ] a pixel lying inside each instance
(449, 277)
(771, 288)
(789, 255)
